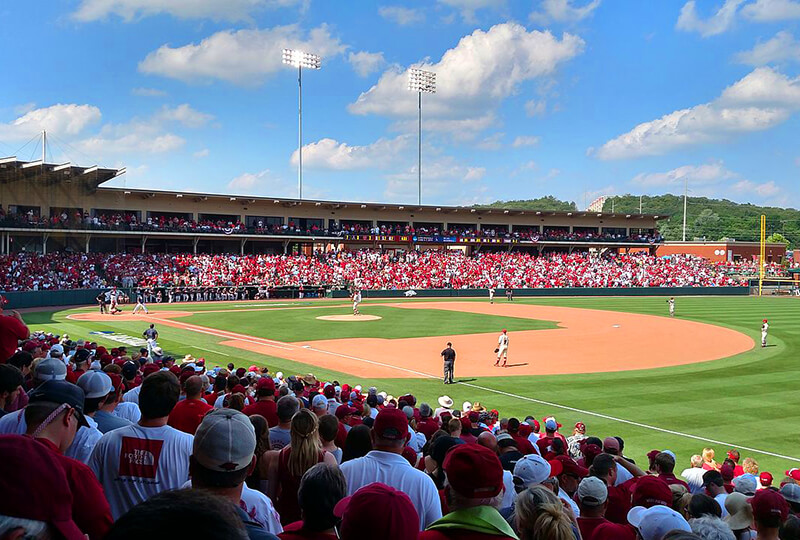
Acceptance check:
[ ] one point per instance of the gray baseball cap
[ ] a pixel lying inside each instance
(51, 369)
(225, 441)
(592, 491)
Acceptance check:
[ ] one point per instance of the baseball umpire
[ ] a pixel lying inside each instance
(449, 356)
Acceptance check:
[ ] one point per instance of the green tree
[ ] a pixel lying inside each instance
(706, 225)
(777, 238)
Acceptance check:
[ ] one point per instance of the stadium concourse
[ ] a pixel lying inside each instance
(368, 269)
(112, 442)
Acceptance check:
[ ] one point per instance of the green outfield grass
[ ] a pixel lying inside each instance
(748, 400)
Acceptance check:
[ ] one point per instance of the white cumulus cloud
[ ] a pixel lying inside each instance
(472, 78)
(563, 11)
(761, 100)
(184, 114)
(781, 48)
(467, 8)
(331, 154)
(243, 57)
(772, 10)
(365, 63)
(535, 108)
(719, 22)
(63, 120)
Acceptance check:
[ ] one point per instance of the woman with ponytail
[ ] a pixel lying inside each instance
(540, 515)
(303, 452)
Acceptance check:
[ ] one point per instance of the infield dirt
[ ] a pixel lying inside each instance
(586, 341)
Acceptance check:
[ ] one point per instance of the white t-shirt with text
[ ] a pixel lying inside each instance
(134, 463)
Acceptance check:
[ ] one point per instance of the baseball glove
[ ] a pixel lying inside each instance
(497, 350)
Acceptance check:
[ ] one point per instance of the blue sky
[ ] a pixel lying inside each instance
(572, 98)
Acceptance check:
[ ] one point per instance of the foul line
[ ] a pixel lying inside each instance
(568, 408)
(222, 333)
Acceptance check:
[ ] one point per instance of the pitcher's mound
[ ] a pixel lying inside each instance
(349, 318)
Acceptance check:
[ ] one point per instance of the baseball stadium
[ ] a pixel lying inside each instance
(314, 367)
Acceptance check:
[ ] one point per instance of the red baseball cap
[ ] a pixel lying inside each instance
(344, 410)
(116, 381)
(379, 511)
(580, 426)
(266, 383)
(793, 474)
(391, 424)
(651, 455)
(474, 471)
(650, 491)
(727, 473)
(765, 478)
(149, 368)
(569, 466)
(768, 503)
(410, 455)
(32, 473)
(474, 416)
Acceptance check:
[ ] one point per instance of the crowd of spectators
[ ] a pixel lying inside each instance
(119, 444)
(368, 269)
(129, 221)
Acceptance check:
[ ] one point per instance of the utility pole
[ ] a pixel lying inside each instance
(685, 196)
(640, 204)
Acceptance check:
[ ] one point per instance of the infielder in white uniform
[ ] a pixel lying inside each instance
(491, 295)
(671, 303)
(764, 331)
(140, 303)
(502, 348)
(356, 301)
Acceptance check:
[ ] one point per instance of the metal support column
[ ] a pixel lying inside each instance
(241, 246)
(144, 243)
(45, 236)
(194, 244)
(88, 238)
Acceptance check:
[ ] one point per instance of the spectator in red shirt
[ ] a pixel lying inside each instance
(265, 401)
(81, 361)
(321, 488)
(665, 465)
(12, 331)
(523, 444)
(53, 415)
(188, 414)
(35, 489)
(592, 498)
(427, 425)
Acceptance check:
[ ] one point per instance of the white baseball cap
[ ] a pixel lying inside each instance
(653, 523)
(95, 384)
(224, 441)
(56, 350)
(532, 469)
(319, 402)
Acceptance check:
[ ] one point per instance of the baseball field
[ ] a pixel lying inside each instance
(620, 365)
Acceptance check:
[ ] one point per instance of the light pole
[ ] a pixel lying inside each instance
(420, 81)
(300, 60)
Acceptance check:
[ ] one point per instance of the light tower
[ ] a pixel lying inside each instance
(300, 60)
(420, 81)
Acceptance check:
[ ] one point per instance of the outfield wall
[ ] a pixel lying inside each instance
(572, 291)
(78, 297)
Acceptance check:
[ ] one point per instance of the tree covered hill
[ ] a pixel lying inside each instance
(710, 219)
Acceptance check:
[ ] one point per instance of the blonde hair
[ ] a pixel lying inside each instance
(708, 454)
(540, 515)
(750, 466)
(304, 442)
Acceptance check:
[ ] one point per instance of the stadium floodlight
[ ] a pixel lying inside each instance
(420, 81)
(300, 60)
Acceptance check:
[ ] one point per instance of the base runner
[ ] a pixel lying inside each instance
(502, 348)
